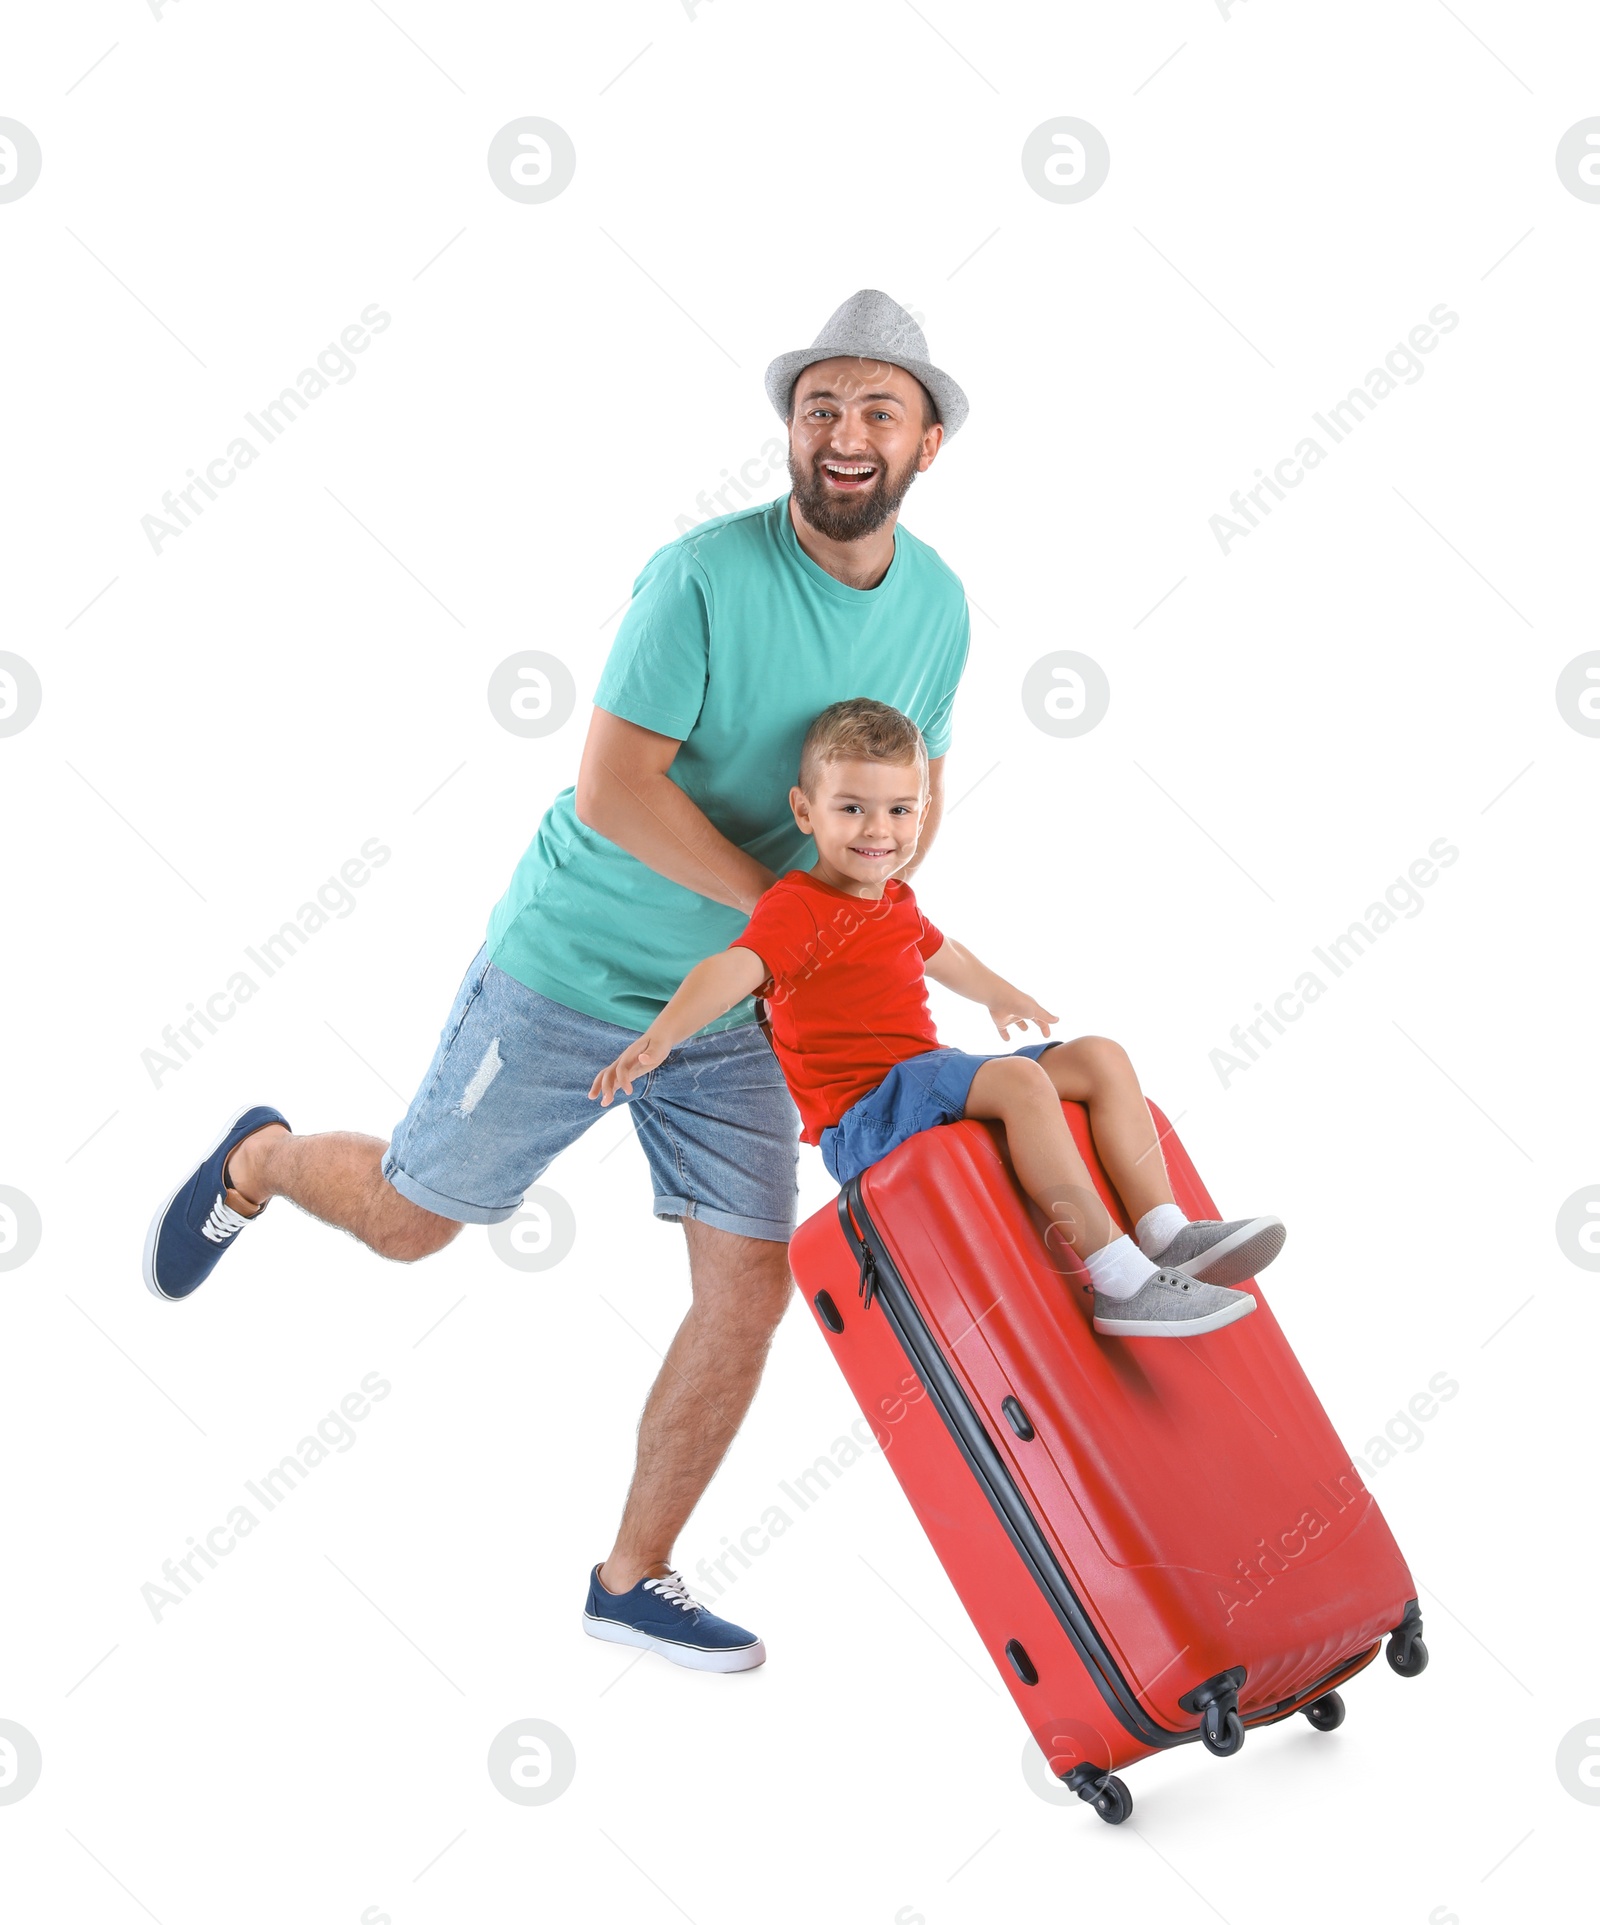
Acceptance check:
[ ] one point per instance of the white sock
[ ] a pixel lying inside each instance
(1121, 1269)
(1157, 1227)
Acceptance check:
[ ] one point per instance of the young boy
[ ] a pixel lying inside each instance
(841, 951)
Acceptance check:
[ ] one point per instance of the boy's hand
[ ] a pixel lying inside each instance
(1016, 1009)
(636, 1060)
(709, 990)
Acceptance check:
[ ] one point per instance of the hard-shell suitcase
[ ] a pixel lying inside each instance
(1159, 1540)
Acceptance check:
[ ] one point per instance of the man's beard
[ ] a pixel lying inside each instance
(849, 517)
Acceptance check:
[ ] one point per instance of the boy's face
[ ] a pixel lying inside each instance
(866, 817)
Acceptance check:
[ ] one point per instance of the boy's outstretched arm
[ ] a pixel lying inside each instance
(708, 991)
(955, 967)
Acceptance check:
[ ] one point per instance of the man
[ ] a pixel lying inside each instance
(739, 633)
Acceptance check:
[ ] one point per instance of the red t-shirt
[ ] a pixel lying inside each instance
(845, 991)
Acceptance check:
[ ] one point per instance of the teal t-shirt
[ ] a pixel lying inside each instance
(734, 643)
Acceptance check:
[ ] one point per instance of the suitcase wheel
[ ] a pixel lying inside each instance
(1109, 1796)
(1406, 1652)
(1113, 1801)
(1221, 1729)
(1325, 1713)
(1408, 1658)
(1217, 1701)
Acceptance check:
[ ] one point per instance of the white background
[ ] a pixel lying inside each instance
(1290, 728)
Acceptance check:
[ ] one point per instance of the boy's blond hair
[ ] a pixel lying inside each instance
(861, 730)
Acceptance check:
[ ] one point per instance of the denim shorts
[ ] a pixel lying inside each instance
(917, 1094)
(508, 1090)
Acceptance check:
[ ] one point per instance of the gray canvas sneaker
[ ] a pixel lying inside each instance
(1170, 1304)
(1223, 1252)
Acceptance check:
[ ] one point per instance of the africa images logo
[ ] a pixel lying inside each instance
(333, 365)
(1401, 366)
(334, 900)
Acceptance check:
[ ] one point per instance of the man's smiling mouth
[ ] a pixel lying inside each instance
(849, 475)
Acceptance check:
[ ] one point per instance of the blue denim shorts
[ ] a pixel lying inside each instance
(916, 1095)
(508, 1090)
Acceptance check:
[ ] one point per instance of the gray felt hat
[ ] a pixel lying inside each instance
(871, 327)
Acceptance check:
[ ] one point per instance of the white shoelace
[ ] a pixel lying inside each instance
(671, 1588)
(222, 1222)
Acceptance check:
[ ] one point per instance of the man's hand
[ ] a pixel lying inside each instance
(640, 1057)
(1018, 1010)
(624, 792)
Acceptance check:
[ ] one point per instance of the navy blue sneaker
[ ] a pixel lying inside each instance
(196, 1224)
(658, 1614)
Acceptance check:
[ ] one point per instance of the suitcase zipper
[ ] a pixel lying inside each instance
(868, 1287)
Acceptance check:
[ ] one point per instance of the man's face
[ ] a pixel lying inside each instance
(866, 816)
(857, 438)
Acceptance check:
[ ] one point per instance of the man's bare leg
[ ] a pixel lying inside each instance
(338, 1177)
(698, 1401)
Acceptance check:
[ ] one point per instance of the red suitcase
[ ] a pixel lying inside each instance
(1158, 1540)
